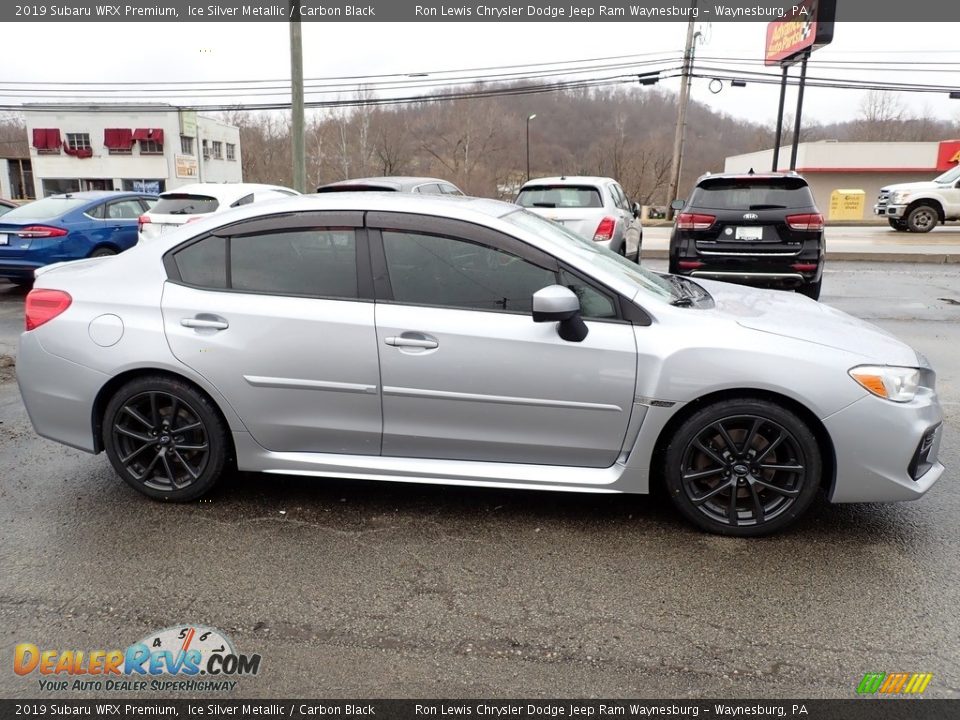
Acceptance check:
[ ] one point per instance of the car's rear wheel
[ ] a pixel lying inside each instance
(897, 224)
(165, 438)
(742, 467)
(922, 219)
(811, 290)
(103, 252)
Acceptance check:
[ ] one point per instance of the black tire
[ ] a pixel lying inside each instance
(922, 219)
(897, 224)
(103, 252)
(727, 446)
(165, 438)
(811, 290)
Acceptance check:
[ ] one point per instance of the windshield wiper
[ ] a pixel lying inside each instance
(685, 301)
(184, 210)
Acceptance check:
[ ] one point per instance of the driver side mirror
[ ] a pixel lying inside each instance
(556, 303)
(636, 209)
(678, 204)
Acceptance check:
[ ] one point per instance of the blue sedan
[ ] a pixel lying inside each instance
(68, 227)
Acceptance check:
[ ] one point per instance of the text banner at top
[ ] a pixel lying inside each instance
(425, 11)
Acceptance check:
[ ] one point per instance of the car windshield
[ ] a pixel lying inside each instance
(45, 209)
(752, 194)
(951, 175)
(185, 204)
(594, 253)
(559, 196)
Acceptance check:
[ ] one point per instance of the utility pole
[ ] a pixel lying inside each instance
(681, 115)
(796, 120)
(296, 96)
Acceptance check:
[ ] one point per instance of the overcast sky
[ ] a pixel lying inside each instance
(113, 52)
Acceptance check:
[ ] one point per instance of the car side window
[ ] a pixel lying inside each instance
(619, 199)
(315, 262)
(448, 189)
(594, 303)
(124, 210)
(429, 189)
(97, 212)
(449, 272)
(319, 262)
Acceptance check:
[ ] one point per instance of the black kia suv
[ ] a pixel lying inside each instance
(753, 228)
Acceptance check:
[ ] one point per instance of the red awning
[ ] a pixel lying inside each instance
(46, 138)
(78, 152)
(117, 138)
(155, 134)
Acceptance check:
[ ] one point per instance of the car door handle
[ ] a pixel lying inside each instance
(415, 340)
(201, 323)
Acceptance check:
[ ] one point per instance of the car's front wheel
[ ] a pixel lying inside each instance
(165, 438)
(742, 467)
(922, 219)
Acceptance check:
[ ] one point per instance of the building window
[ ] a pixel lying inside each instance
(186, 145)
(21, 179)
(46, 141)
(78, 141)
(56, 186)
(151, 147)
(206, 150)
(153, 187)
(231, 151)
(217, 150)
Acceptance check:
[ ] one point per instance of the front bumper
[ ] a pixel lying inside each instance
(876, 442)
(893, 211)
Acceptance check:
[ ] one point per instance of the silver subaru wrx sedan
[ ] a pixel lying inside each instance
(466, 342)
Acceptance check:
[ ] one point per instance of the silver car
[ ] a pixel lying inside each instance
(458, 341)
(595, 208)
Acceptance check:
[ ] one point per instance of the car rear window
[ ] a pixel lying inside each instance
(559, 196)
(356, 188)
(752, 194)
(45, 209)
(185, 204)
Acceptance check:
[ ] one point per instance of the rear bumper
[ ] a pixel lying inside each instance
(876, 443)
(19, 268)
(57, 393)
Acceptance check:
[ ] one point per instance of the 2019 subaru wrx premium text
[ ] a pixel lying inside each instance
(755, 229)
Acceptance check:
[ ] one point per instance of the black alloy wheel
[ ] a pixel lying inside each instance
(743, 468)
(165, 439)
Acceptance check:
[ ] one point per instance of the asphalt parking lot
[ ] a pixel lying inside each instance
(368, 590)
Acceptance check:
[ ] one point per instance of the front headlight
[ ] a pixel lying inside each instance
(898, 384)
(900, 197)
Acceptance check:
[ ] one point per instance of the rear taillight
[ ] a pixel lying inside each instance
(689, 264)
(143, 220)
(804, 267)
(807, 221)
(41, 231)
(604, 230)
(694, 221)
(44, 305)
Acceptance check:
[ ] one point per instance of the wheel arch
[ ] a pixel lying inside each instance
(930, 202)
(819, 430)
(106, 245)
(115, 383)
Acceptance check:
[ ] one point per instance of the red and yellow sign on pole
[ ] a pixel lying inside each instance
(807, 26)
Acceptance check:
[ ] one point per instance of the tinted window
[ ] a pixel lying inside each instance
(434, 270)
(184, 204)
(316, 262)
(204, 263)
(45, 209)
(560, 196)
(429, 189)
(750, 194)
(448, 189)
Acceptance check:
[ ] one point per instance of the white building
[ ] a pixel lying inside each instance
(148, 148)
(830, 165)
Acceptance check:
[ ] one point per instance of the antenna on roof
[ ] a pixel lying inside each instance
(750, 171)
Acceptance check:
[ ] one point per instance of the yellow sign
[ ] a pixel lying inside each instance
(847, 204)
(186, 166)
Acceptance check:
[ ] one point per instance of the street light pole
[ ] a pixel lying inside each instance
(529, 118)
(296, 105)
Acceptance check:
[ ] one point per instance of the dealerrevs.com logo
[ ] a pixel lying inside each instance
(181, 658)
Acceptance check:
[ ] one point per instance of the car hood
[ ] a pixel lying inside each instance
(794, 316)
(920, 185)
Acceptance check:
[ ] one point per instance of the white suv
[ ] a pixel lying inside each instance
(192, 202)
(595, 208)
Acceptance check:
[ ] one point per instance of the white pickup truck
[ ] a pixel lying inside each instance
(921, 206)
